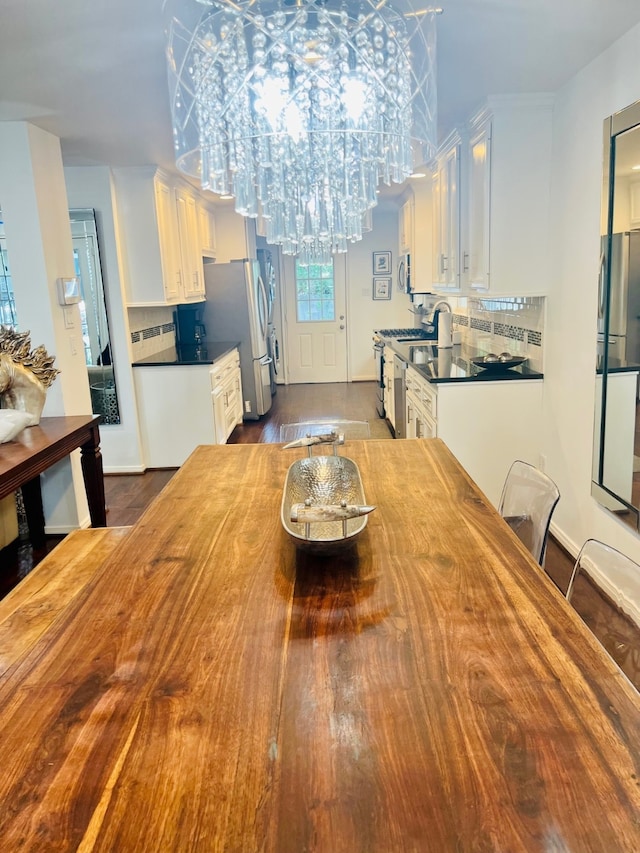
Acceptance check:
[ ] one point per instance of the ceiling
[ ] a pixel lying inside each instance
(93, 73)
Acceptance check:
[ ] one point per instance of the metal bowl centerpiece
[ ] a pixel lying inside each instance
(323, 505)
(493, 363)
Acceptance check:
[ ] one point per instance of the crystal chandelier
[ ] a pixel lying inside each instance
(299, 109)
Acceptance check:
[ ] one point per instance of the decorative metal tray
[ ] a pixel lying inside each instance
(323, 505)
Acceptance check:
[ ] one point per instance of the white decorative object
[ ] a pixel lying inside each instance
(25, 374)
(12, 422)
(299, 110)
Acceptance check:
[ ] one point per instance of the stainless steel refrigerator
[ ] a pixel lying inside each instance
(267, 270)
(236, 309)
(623, 339)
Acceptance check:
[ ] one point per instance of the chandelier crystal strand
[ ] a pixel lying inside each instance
(300, 111)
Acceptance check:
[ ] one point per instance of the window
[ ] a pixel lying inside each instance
(8, 316)
(315, 299)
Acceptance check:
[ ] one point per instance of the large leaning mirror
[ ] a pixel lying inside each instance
(93, 315)
(616, 458)
(93, 310)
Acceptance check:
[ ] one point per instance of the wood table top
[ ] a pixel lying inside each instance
(209, 688)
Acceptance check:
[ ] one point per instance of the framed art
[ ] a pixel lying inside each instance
(382, 288)
(382, 263)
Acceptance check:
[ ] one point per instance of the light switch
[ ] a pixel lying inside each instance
(68, 318)
(72, 345)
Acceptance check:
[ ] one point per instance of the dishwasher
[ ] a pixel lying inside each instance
(399, 395)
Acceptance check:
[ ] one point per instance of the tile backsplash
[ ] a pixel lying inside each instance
(152, 330)
(512, 324)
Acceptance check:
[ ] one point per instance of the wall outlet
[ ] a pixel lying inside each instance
(247, 405)
(542, 462)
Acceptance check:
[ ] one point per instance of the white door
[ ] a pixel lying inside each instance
(315, 316)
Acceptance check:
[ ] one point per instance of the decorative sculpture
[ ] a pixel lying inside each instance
(25, 374)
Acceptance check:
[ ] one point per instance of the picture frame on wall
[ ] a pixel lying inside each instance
(382, 263)
(382, 288)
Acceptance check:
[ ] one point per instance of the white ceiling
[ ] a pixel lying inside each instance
(93, 71)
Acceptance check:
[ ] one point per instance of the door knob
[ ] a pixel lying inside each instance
(342, 316)
(341, 327)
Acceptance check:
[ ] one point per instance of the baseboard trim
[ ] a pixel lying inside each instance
(565, 542)
(64, 529)
(124, 469)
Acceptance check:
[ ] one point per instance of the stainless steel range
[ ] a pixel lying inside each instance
(400, 335)
(378, 354)
(412, 334)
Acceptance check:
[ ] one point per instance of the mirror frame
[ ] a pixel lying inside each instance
(103, 388)
(615, 125)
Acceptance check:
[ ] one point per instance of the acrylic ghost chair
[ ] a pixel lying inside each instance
(604, 590)
(349, 429)
(528, 500)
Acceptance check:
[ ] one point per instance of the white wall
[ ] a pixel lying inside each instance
(363, 312)
(34, 203)
(606, 85)
(120, 443)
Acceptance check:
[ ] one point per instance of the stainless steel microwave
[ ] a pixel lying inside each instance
(404, 273)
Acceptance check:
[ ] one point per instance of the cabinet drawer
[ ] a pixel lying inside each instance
(225, 368)
(429, 399)
(425, 394)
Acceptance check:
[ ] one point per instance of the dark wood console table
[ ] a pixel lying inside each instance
(38, 448)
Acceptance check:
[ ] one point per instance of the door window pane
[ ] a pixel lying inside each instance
(315, 293)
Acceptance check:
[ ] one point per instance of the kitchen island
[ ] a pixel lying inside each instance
(207, 688)
(187, 395)
(186, 355)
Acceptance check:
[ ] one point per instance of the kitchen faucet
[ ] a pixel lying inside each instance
(443, 329)
(437, 308)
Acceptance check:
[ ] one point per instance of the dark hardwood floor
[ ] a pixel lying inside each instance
(127, 496)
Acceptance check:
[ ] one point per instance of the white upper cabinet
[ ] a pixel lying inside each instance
(168, 248)
(446, 215)
(508, 195)
(476, 251)
(415, 233)
(190, 246)
(405, 237)
(159, 237)
(207, 227)
(491, 193)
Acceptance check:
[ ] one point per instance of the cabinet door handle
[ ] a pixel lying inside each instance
(443, 263)
(465, 262)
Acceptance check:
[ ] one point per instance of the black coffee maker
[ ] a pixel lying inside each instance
(190, 329)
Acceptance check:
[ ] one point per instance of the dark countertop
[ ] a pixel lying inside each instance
(454, 364)
(207, 352)
(615, 365)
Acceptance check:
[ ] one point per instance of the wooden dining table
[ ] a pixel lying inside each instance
(209, 687)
